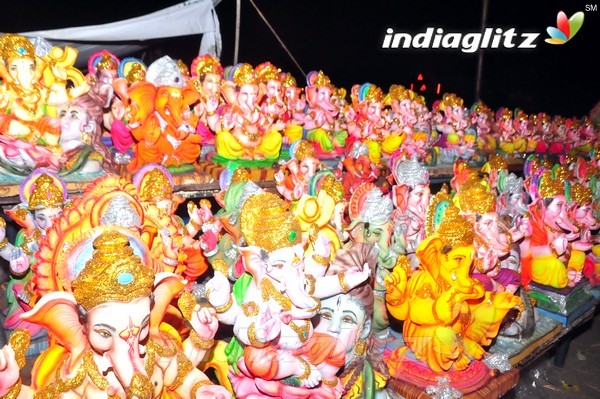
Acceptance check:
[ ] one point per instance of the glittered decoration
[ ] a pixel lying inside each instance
(497, 361)
(15, 46)
(443, 390)
(550, 187)
(120, 212)
(288, 81)
(165, 72)
(114, 273)
(267, 223)
(46, 194)
(410, 173)
(244, 74)
(474, 197)
(377, 208)
(454, 230)
(304, 149)
(267, 71)
(205, 64)
(580, 194)
(155, 184)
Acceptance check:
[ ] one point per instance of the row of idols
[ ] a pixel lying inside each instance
(327, 291)
(123, 112)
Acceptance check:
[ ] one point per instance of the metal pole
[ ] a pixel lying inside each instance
(480, 60)
(238, 13)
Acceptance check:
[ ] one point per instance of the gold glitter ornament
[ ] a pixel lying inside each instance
(114, 274)
(550, 187)
(46, 194)
(267, 223)
(321, 80)
(581, 194)
(245, 75)
(141, 387)
(267, 71)
(454, 230)
(16, 46)
(333, 187)
(240, 174)
(19, 341)
(475, 198)
(303, 150)
(205, 64)
(155, 186)
(288, 81)
(186, 304)
(107, 62)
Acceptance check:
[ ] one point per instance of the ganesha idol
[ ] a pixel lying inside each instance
(366, 122)
(207, 74)
(32, 89)
(109, 338)
(493, 239)
(322, 116)
(545, 256)
(450, 119)
(243, 132)
(408, 121)
(160, 125)
(448, 316)
(276, 350)
(293, 177)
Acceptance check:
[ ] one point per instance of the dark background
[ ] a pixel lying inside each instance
(343, 38)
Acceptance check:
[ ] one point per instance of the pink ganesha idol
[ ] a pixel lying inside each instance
(321, 116)
(242, 130)
(207, 74)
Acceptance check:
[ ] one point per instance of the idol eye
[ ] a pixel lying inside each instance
(348, 320)
(325, 315)
(103, 333)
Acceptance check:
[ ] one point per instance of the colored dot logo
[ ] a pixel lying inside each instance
(566, 28)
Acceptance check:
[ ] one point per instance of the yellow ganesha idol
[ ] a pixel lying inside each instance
(448, 316)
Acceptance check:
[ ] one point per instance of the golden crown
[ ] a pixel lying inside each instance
(206, 64)
(155, 185)
(137, 73)
(497, 162)
(245, 75)
(106, 63)
(15, 46)
(374, 94)
(454, 230)
(451, 99)
(288, 81)
(321, 80)
(46, 194)
(550, 187)
(303, 150)
(267, 223)
(267, 71)
(114, 274)
(475, 198)
(581, 194)
(399, 92)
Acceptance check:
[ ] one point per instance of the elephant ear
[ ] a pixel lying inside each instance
(190, 95)
(255, 261)
(57, 312)
(428, 253)
(311, 94)
(229, 91)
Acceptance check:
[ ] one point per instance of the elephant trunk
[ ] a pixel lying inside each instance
(128, 366)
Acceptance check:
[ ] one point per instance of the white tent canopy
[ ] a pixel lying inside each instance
(192, 17)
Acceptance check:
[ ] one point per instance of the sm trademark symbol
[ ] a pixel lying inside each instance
(591, 7)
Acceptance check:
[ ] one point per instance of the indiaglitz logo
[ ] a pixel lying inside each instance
(565, 28)
(490, 38)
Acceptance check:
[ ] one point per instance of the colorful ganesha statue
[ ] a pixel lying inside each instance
(207, 74)
(322, 114)
(448, 315)
(293, 177)
(272, 305)
(159, 117)
(32, 87)
(243, 130)
(545, 258)
(367, 123)
(109, 334)
(43, 196)
(295, 104)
